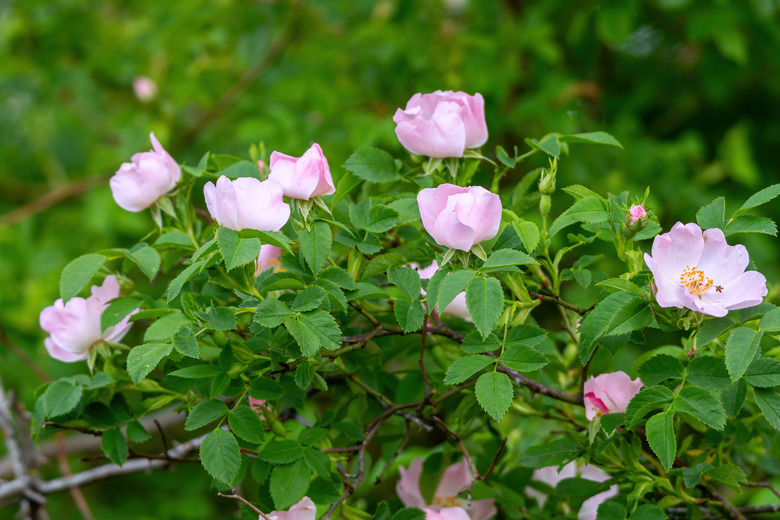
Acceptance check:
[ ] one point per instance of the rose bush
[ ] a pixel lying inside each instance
(319, 366)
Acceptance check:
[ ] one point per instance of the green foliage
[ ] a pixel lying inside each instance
(220, 456)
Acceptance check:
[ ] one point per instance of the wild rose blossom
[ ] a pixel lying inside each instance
(303, 510)
(637, 211)
(247, 203)
(138, 184)
(303, 177)
(268, 258)
(145, 89)
(701, 272)
(445, 499)
(74, 327)
(458, 306)
(551, 476)
(459, 218)
(442, 124)
(609, 393)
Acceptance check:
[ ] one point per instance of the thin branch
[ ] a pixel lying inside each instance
(539, 388)
(245, 502)
(556, 299)
(767, 485)
(734, 513)
(495, 459)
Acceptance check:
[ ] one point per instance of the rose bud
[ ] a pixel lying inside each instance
(637, 212)
(302, 177)
(74, 327)
(459, 218)
(138, 184)
(247, 203)
(609, 393)
(442, 124)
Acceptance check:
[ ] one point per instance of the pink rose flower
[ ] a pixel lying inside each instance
(551, 476)
(138, 184)
(446, 513)
(268, 258)
(458, 306)
(455, 478)
(302, 177)
(442, 124)
(637, 211)
(701, 272)
(256, 404)
(74, 327)
(145, 89)
(303, 510)
(609, 393)
(459, 218)
(247, 203)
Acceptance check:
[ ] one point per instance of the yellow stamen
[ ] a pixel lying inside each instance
(695, 280)
(445, 501)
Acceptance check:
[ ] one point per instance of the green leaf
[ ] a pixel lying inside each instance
(553, 453)
(236, 251)
(741, 348)
(100, 380)
(114, 446)
(315, 245)
(178, 238)
(523, 358)
(118, 310)
(407, 208)
(648, 512)
(185, 342)
(771, 321)
(313, 330)
(308, 299)
(759, 198)
(465, 367)
(495, 393)
(78, 273)
(218, 318)
(165, 327)
(409, 313)
(372, 165)
(289, 483)
(61, 397)
(618, 313)
(590, 210)
(265, 389)
(702, 404)
(504, 260)
(245, 423)
(528, 335)
(271, 313)
(144, 358)
(611, 510)
(473, 343)
(406, 279)
(645, 401)
(137, 433)
(380, 219)
(727, 474)
(175, 287)
(312, 435)
(591, 138)
(302, 376)
(452, 285)
(769, 402)
(751, 224)
(485, 303)
(763, 373)
(659, 368)
(281, 452)
(197, 372)
(221, 456)
(660, 436)
(547, 144)
(713, 215)
(710, 330)
(620, 284)
(204, 413)
(708, 372)
(733, 396)
(146, 258)
(409, 513)
(318, 462)
(273, 238)
(528, 233)
(611, 421)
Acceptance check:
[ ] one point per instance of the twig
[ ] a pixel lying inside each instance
(767, 485)
(163, 439)
(495, 459)
(539, 388)
(556, 299)
(735, 513)
(245, 502)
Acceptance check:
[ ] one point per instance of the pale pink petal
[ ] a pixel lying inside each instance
(458, 307)
(62, 354)
(408, 486)
(448, 230)
(303, 510)
(482, 509)
(432, 201)
(454, 479)
(590, 507)
(447, 513)
(268, 257)
(441, 136)
(720, 261)
(609, 393)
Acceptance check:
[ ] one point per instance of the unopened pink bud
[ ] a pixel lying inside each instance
(637, 211)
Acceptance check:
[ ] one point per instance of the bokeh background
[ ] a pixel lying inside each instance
(690, 87)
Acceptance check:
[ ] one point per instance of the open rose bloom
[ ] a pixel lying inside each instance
(442, 124)
(247, 203)
(609, 393)
(551, 476)
(302, 177)
(459, 218)
(74, 327)
(446, 504)
(150, 175)
(303, 510)
(701, 272)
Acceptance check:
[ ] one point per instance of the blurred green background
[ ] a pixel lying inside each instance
(690, 87)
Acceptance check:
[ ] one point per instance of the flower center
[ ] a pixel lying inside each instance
(695, 280)
(445, 501)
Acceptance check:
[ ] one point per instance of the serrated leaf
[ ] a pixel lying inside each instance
(311, 436)
(645, 401)
(144, 358)
(659, 368)
(528, 233)
(552, 453)
(741, 348)
(221, 456)
(504, 260)
(246, 424)
(78, 273)
(733, 396)
(702, 404)
(611, 510)
(771, 321)
(660, 437)
(175, 287)
(523, 358)
(757, 199)
(373, 165)
(620, 284)
(763, 373)
(197, 372)
(708, 372)
(495, 393)
(751, 224)
(727, 474)
(204, 413)
(218, 318)
(236, 251)
(713, 215)
(185, 343)
(463, 368)
(137, 433)
(271, 313)
(590, 210)
(318, 462)
(485, 303)
(452, 285)
(591, 138)
(618, 313)
(118, 310)
(769, 402)
(409, 313)
(474, 343)
(114, 445)
(165, 327)
(302, 377)
(315, 245)
(308, 299)
(281, 452)
(711, 329)
(265, 389)
(648, 512)
(61, 397)
(289, 483)
(146, 258)
(406, 279)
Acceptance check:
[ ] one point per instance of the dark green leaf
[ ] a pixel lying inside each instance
(118, 310)
(528, 233)
(406, 279)
(289, 483)
(271, 313)
(741, 348)
(618, 313)
(452, 285)
(611, 510)
(727, 474)
(197, 372)
(648, 512)
(245, 423)
(660, 436)
(495, 393)
(236, 251)
(281, 452)
(552, 453)
(146, 258)
(711, 329)
(504, 260)
(316, 460)
(645, 401)
(137, 433)
(769, 402)
(659, 368)
(763, 373)
(591, 138)
(204, 413)
(590, 210)
(733, 396)
(410, 314)
(473, 343)
(523, 358)
(702, 404)
(308, 299)
(61, 397)
(185, 342)
(220, 456)
(114, 446)
(183, 277)
(315, 245)
(708, 372)
(265, 389)
(465, 367)
(751, 224)
(713, 215)
(759, 198)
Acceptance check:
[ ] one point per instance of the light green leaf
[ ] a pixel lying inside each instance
(165, 327)
(659, 368)
(590, 210)
(473, 343)
(118, 310)
(660, 436)
(452, 285)
(771, 321)
(763, 373)
(504, 260)
(220, 456)
(410, 314)
(523, 358)
(741, 348)
(317, 461)
(733, 396)
(648, 512)
(315, 245)
(485, 303)
(144, 358)
(645, 401)
(146, 258)
(61, 397)
(183, 277)
(552, 453)
(708, 372)
(463, 368)
(236, 251)
(271, 313)
(528, 233)
(727, 474)
(618, 313)
(246, 424)
(713, 215)
(185, 343)
(205, 412)
(702, 404)
(373, 165)
(78, 273)
(308, 299)
(591, 138)
(495, 393)
(751, 224)
(406, 279)
(759, 198)
(769, 401)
